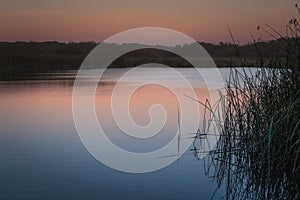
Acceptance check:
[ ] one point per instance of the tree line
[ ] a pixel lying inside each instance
(37, 57)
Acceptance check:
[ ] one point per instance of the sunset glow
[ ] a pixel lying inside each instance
(93, 20)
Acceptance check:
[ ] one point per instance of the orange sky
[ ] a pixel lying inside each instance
(86, 20)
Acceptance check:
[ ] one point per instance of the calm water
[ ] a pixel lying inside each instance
(42, 157)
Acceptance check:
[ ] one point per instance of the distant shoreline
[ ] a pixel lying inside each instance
(18, 59)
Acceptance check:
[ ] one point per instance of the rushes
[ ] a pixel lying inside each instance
(257, 154)
(260, 136)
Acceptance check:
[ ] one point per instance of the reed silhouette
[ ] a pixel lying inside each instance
(257, 154)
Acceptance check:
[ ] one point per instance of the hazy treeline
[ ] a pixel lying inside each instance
(42, 56)
(29, 57)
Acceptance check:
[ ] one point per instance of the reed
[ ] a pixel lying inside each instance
(257, 154)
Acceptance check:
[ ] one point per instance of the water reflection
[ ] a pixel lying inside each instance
(42, 156)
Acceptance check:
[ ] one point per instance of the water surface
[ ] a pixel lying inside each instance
(42, 156)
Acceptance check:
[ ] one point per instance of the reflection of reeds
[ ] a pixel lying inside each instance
(179, 132)
(257, 155)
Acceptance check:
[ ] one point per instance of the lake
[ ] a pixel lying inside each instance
(42, 156)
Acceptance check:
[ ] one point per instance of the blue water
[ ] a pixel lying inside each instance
(42, 157)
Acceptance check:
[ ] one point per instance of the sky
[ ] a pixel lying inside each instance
(96, 20)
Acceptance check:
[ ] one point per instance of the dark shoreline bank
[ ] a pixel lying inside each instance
(20, 59)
